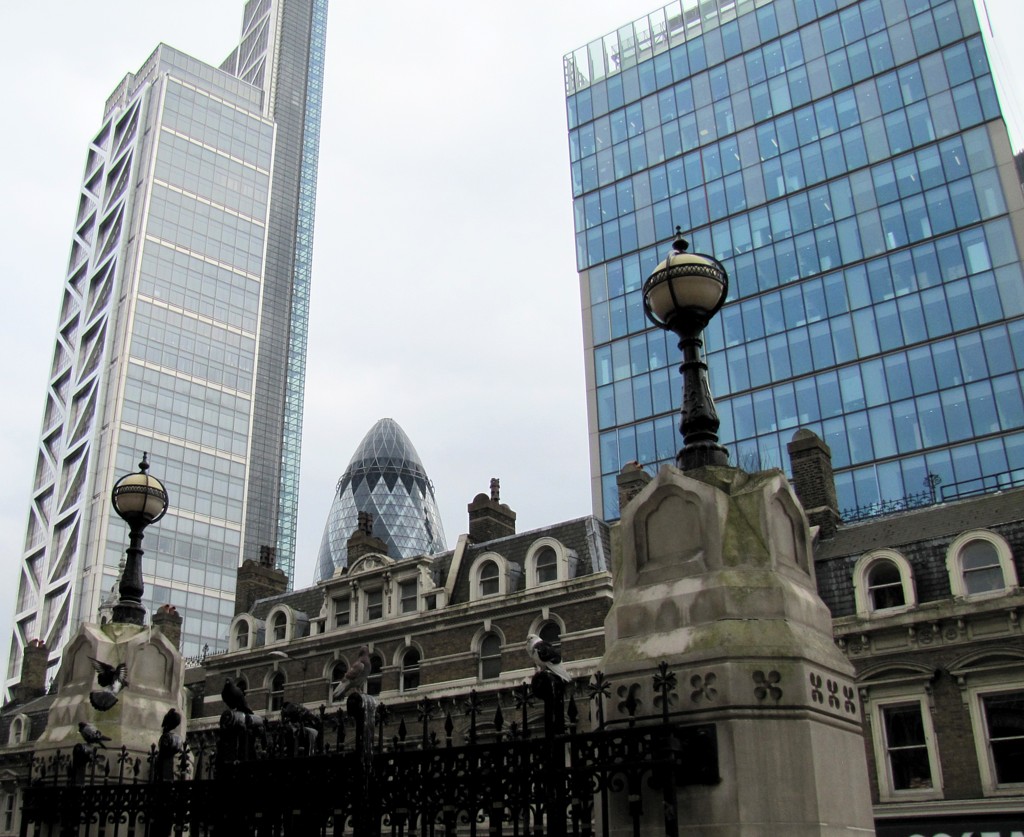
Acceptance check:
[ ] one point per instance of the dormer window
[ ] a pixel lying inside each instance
(342, 606)
(242, 635)
(546, 565)
(883, 581)
(408, 595)
(980, 563)
(279, 627)
(885, 586)
(490, 584)
(374, 604)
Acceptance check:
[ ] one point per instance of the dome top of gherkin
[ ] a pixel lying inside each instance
(386, 479)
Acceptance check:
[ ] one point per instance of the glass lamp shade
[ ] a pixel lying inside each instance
(686, 287)
(139, 498)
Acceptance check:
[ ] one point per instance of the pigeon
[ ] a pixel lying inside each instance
(355, 678)
(171, 720)
(545, 657)
(234, 697)
(111, 680)
(92, 735)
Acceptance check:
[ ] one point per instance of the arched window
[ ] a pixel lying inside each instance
(410, 670)
(883, 581)
(980, 563)
(19, 730)
(279, 627)
(338, 672)
(277, 692)
(242, 635)
(551, 634)
(490, 657)
(546, 565)
(885, 586)
(490, 584)
(373, 682)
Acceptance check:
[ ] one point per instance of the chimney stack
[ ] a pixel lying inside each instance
(489, 518)
(813, 481)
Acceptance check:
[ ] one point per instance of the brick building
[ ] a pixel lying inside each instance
(926, 604)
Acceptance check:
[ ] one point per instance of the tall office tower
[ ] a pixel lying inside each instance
(182, 331)
(386, 479)
(847, 161)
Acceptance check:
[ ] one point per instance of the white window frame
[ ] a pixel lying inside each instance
(402, 669)
(862, 592)
(289, 624)
(563, 558)
(10, 823)
(402, 599)
(271, 694)
(986, 764)
(475, 586)
(250, 631)
(336, 611)
(333, 684)
(20, 730)
(374, 591)
(478, 643)
(883, 768)
(1003, 553)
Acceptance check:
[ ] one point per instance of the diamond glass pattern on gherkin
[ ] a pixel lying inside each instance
(385, 478)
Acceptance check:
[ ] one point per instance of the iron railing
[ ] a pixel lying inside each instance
(300, 776)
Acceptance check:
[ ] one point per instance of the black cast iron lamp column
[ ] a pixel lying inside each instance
(682, 295)
(139, 500)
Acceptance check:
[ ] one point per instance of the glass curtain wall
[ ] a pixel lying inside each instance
(843, 160)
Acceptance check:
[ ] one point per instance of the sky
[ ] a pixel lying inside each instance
(444, 290)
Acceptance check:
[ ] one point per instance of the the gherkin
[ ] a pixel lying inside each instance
(385, 478)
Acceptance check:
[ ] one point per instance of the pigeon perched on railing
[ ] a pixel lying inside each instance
(234, 697)
(355, 678)
(171, 720)
(111, 680)
(92, 735)
(546, 657)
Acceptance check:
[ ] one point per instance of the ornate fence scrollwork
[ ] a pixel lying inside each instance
(561, 769)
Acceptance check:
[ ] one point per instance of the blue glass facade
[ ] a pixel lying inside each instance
(848, 163)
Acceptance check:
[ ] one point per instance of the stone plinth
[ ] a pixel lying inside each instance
(715, 577)
(156, 678)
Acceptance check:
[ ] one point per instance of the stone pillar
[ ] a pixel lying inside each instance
(715, 577)
(155, 675)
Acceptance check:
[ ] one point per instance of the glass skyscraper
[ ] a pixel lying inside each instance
(182, 332)
(847, 161)
(386, 479)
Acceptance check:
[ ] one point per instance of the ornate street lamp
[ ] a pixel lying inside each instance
(139, 500)
(682, 295)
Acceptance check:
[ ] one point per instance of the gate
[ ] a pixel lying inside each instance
(302, 776)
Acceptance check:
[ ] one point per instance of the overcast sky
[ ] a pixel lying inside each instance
(444, 287)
